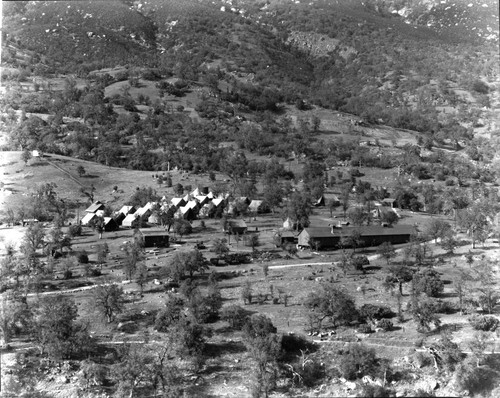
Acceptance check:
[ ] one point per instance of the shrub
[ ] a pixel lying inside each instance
(373, 390)
(358, 362)
(480, 87)
(83, 258)
(445, 307)
(234, 315)
(67, 274)
(422, 359)
(429, 282)
(373, 311)
(75, 230)
(472, 378)
(364, 328)
(293, 344)
(485, 323)
(385, 324)
(309, 370)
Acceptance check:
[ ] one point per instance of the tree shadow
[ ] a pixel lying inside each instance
(214, 350)
(373, 268)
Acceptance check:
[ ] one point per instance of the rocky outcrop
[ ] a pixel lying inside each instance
(318, 45)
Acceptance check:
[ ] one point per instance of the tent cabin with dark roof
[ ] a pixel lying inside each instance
(330, 237)
(110, 224)
(154, 237)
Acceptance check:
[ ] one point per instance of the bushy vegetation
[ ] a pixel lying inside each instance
(484, 322)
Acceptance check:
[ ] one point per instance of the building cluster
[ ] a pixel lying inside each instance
(200, 203)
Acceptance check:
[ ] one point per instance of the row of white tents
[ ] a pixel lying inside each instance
(192, 205)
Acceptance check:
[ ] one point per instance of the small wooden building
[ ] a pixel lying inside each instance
(110, 224)
(154, 237)
(94, 207)
(235, 227)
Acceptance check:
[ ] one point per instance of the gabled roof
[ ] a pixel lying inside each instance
(127, 210)
(142, 211)
(255, 204)
(88, 217)
(192, 204)
(196, 192)
(129, 219)
(202, 199)
(184, 209)
(217, 202)
(94, 207)
(177, 202)
(153, 232)
(107, 220)
(372, 230)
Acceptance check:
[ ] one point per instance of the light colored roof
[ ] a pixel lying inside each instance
(107, 220)
(94, 207)
(88, 217)
(217, 201)
(126, 210)
(255, 204)
(154, 219)
(184, 209)
(192, 204)
(153, 232)
(143, 210)
(210, 195)
(196, 192)
(127, 221)
(178, 201)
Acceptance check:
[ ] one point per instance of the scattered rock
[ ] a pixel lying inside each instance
(350, 385)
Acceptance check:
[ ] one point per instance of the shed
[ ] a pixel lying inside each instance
(154, 237)
(389, 202)
(202, 200)
(289, 224)
(88, 218)
(128, 222)
(110, 224)
(257, 206)
(236, 227)
(334, 199)
(143, 212)
(243, 199)
(186, 213)
(119, 217)
(29, 221)
(178, 202)
(94, 207)
(218, 202)
(320, 201)
(125, 210)
(286, 237)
